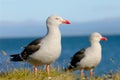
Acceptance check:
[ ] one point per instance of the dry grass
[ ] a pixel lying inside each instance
(25, 74)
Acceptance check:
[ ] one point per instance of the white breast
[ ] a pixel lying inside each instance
(50, 49)
(92, 58)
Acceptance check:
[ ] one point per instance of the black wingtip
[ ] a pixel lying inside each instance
(69, 68)
(15, 58)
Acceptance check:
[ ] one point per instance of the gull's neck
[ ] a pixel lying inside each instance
(53, 32)
(96, 45)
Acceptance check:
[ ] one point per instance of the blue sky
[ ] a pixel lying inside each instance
(75, 10)
(20, 11)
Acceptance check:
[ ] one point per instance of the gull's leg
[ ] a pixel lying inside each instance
(35, 70)
(47, 69)
(91, 72)
(82, 73)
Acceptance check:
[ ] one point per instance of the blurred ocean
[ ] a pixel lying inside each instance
(70, 45)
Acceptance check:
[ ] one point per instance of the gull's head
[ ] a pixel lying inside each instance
(96, 37)
(55, 20)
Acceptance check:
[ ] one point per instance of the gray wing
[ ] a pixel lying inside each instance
(77, 57)
(31, 48)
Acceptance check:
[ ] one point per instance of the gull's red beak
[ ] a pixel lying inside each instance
(66, 22)
(104, 38)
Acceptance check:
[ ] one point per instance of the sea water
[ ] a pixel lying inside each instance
(70, 45)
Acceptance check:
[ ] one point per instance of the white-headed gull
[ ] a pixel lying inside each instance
(46, 50)
(88, 58)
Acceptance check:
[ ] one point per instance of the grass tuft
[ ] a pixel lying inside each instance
(26, 74)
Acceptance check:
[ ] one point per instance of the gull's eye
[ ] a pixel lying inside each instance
(57, 18)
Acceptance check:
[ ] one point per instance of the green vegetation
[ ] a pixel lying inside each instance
(26, 74)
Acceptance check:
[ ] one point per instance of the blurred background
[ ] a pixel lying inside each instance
(22, 21)
(26, 18)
